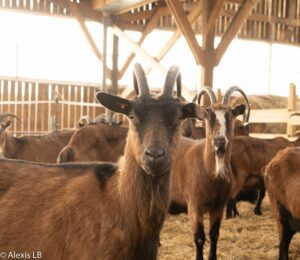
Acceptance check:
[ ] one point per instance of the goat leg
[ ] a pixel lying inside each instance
(285, 233)
(231, 210)
(261, 195)
(215, 223)
(199, 239)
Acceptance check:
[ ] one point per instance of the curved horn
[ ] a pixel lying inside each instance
(227, 96)
(209, 92)
(140, 82)
(173, 76)
(294, 114)
(194, 98)
(4, 115)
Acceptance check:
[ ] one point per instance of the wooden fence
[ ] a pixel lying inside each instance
(45, 106)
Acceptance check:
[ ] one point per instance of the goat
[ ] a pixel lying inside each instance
(201, 174)
(282, 178)
(100, 211)
(254, 180)
(249, 156)
(95, 142)
(44, 148)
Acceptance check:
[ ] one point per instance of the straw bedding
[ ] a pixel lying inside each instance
(246, 237)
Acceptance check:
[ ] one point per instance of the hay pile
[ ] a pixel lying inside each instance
(246, 237)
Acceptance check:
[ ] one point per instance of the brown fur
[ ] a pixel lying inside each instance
(97, 211)
(282, 178)
(250, 155)
(195, 184)
(95, 142)
(44, 148)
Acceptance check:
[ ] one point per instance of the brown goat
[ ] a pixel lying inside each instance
(201, 174)
(43, 148)
(95, 142)
(99, 211)
(282, 178)
(249, 157)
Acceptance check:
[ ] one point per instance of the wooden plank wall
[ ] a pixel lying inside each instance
(42, 6)
(44, 107)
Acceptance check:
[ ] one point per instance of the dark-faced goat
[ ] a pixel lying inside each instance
(99, 211)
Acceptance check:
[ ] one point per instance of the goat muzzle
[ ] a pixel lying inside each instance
(156, 161)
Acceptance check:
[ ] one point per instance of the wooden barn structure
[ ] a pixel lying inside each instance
(60, 105)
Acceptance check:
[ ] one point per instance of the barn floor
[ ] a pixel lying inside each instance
(246, 237)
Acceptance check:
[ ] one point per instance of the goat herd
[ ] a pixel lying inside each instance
(116, 210)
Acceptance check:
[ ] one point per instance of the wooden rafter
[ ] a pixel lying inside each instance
(192, 16)
(75, 10)
(218, 6)
(148, 28)
(186, 29)
(138, 49)
(234, 27)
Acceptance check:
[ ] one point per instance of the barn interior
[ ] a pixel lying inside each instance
(46, 105)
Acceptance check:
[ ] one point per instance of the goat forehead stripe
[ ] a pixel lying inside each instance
(220, 117)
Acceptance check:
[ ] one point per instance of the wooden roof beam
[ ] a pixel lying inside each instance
(138, 49)
(186, 29)
(75, 10)
(218, 6)
(234, 27)
(147, 29)
(192, 17)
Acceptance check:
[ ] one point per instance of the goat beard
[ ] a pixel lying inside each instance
(221, 171)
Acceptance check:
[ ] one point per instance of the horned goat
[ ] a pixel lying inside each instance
(201, 174)
(99, 211)
(43, 148)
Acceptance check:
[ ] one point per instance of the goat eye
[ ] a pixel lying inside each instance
(131, 116)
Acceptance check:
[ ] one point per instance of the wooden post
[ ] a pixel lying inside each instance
(208, 63)
(292, 105)
(114, 78)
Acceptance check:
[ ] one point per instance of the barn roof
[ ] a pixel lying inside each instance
(268, 20)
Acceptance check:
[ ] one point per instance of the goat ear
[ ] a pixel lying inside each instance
(238, 110)
(114, 103)
(193, 110)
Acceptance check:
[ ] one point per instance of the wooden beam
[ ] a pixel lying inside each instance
(208, 40)
(186, 28)
(148, 28)
(75, 10)
(234, 27)
(218, 6)
(192, 16)
(138, 49)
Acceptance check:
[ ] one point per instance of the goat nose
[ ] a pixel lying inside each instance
(220, 141)
(154, 153)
